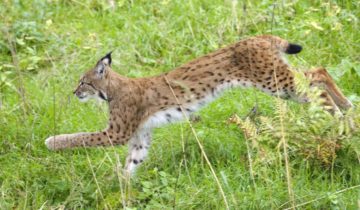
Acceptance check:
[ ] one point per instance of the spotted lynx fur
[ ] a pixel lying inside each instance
(139, 105)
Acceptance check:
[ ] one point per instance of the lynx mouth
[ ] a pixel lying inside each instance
(83, 98)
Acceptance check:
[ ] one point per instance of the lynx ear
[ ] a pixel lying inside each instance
(102, 63)
(106, 60)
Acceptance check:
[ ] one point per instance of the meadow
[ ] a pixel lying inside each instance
(283, 156)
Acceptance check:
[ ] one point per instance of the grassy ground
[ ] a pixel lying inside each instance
(46, 45)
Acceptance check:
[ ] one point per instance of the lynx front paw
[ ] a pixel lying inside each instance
(57, 142)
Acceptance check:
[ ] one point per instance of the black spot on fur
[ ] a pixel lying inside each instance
(168, 117)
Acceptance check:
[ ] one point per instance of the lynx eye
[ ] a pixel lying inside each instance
(88, 83)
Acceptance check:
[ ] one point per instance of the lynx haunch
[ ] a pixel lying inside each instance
(141, 104)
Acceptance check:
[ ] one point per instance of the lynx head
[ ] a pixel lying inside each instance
(93, 84)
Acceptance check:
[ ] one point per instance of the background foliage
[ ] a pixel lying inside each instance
(46, 45)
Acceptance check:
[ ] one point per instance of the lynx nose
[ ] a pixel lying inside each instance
(77, 93)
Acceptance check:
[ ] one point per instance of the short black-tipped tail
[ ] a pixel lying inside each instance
(293, 48)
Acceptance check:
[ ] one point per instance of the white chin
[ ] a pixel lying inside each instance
(85, 99)
(98, 99)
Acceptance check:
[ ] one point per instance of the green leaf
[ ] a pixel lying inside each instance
(20, 42)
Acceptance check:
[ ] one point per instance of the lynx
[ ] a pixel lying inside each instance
(137, 105)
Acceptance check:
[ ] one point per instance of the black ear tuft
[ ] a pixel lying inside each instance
(107, 59)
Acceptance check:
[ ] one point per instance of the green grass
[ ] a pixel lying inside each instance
(57, 40)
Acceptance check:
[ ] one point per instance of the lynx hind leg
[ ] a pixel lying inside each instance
(319, 77)
(138, 149)
(328, 103)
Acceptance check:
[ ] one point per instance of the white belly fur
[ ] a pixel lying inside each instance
(173, 114)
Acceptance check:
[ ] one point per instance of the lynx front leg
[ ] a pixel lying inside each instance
(138, 149)
(63, 141)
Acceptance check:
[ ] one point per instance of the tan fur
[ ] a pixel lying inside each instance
(137, 105)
